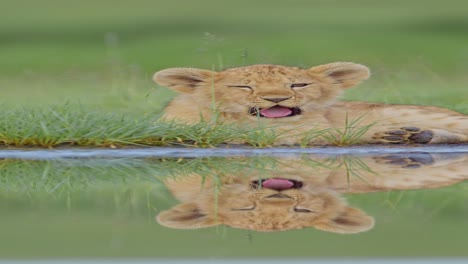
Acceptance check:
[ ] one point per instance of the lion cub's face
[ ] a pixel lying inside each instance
(273, 204)
(266, 91)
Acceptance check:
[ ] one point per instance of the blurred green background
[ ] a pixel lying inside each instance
(103, 53)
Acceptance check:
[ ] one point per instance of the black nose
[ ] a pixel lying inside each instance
(276, 100)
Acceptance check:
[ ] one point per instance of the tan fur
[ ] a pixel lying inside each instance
(235, 203)
(232, 92)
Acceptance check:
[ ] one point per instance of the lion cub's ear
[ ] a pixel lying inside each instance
(351, 221)
(185, 216)
(183, 79)
(347, 74)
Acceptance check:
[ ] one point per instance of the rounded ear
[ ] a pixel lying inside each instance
(346, 74)
(183, 79)
(351, 221)
(185, 216)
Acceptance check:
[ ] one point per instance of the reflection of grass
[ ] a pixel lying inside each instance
(82, 177)
(121, 186)
(53, 177)
(62, 177)
(125, 185)
(355, 168)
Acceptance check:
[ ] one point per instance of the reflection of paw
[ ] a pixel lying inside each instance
(404, 135)
(407, 160)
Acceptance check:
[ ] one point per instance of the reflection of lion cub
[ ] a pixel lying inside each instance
(295, 194)
(298, 100)
(240, 205)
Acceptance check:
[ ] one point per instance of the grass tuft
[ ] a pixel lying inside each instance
(73, 125)
(349, 135)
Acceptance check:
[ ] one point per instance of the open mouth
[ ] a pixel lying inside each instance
(278, 184)
(276, 111)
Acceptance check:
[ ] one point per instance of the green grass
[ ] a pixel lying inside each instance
(73, 125)
(350, 134)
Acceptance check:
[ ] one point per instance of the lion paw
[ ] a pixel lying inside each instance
(407, 160)
(405, 135)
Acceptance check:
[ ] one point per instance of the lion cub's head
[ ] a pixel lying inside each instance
(272, 204)
(267, 91)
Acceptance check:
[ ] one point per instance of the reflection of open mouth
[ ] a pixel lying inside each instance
(278, 184)
(276, 111)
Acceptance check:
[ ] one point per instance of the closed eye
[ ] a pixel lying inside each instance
(299, 85)
(240, 86)
(303, 210)
(250, 208)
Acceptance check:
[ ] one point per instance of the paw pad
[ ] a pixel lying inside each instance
(422, 137)
(405, 135)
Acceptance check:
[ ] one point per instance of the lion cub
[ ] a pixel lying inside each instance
(294, 101)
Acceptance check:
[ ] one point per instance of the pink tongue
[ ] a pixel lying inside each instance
(277, 184)
(276, 111)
